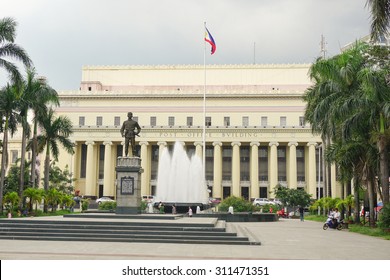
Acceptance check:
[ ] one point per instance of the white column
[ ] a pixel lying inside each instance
(90, 178)
(292, 166)
(311, 178)
(236, 169)
(161, 146)
(75, 161)
(273, 167)
(108, 183)
(199, 149)
(145, 159)
(217, 184)
(254, 170)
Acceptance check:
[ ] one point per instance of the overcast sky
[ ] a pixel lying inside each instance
(61, 36)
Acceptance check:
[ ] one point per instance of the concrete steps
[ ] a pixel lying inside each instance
(125, 229)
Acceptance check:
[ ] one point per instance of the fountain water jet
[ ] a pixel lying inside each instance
(180, 178)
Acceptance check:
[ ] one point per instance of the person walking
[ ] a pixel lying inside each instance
(301, 213)
(189, 212)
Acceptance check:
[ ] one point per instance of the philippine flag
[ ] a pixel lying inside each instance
(208, 38)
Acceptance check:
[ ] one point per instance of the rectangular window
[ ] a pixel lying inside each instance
(190, 121)
(117, 121)
(153, 121)
(171, 121)
(245, 121)
(226, 121)
(14, 156)
(208, 121)
(99, 121)
(301, 121)
(82, 120)
(264, 121)
(283, 121)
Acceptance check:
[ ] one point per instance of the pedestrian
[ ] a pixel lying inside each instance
(189, 212)
(174, 209)
(161, 208)
(301, 213)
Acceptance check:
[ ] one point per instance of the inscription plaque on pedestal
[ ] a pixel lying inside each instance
(127, 185)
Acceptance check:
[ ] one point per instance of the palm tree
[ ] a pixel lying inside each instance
(12, 199)
(41, 96)
(8, 105)
(54, 130)
(8, 49)
(34, 195)
(380, 17)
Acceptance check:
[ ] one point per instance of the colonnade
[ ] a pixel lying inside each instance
(91, 184)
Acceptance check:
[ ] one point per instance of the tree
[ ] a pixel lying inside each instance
(12, 199)
(34, 195)
(292, 197)
(54, 130)
(8, 106)
(40, 96)
(61, 179)
(8, 49)
(380, 17)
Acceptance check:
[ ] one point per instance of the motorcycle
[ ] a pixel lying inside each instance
(330, 224)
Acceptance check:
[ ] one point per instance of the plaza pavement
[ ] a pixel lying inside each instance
(286, 240)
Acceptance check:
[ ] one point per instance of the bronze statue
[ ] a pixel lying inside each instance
(129, 130)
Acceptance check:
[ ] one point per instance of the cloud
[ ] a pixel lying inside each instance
(63, 35)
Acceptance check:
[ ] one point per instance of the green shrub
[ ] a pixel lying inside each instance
(384, 218)
(144, 205)
(84, 204)
(239, 204)
(107, 205)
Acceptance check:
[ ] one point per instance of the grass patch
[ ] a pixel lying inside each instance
(40, 213)
(366, 230)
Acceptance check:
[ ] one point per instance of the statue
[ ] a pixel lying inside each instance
(129, 130)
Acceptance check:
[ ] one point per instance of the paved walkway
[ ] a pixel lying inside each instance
(286, 239)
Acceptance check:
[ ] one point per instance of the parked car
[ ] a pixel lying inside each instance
(276, 201)
(103, 199)
(262, 202)
(213, 200)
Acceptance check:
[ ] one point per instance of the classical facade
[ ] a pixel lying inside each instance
(255, 136)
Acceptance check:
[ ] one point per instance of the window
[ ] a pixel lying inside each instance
(226, 121)
(153, 121)
(99, 121)
(245, 121)
(14, 156)
(301, 121)
(264, 121)
(89, 88)
(282, 121)
(171, 121)
(81, 120)
(208, 121)
(135, 119)
(190, 121)
(117, 121)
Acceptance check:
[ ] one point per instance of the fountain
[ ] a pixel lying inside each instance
(180, 179)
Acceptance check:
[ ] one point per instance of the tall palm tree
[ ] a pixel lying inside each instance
(8, 49)
(42, 95)
(9, 97)
(380, 17)
(54, 130)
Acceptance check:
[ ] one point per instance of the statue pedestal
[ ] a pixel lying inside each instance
(128, 185)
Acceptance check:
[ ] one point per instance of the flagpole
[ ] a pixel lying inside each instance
(204, 112)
